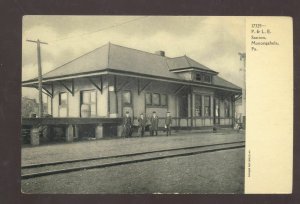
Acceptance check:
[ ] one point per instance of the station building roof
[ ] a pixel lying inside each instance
(111, 57)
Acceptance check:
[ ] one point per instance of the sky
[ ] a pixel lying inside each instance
(212, 41)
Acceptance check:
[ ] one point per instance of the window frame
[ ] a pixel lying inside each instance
(199, 75)
(154, 105)
(204, 78)
(159, 104)
(90, 101)
(59, 98)
(93, 103)
(130, 98)
(148, 104)
(226, 107)
(200, 113)
(61, 106)
(209, 106)
(216, 107)
(166, 105)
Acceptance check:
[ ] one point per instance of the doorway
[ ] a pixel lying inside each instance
(183, 106)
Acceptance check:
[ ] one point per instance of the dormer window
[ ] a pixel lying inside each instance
(203, 77)
(207, 78)
(198, 76)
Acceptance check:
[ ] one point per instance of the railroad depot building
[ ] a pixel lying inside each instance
(93, 92)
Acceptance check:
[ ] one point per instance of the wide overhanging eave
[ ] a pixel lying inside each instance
(32, 82)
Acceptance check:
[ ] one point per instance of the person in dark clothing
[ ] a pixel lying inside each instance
(168, 123)
(142, 124)
(154, 124)
(127, 123)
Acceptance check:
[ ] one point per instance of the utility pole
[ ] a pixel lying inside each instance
(41, 107)
(243, 69)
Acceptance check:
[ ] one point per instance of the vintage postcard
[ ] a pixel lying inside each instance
(157, 104)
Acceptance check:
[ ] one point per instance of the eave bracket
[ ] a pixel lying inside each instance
(100, 88)
(69, 89)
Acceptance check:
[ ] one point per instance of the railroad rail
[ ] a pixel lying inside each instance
(59, 167)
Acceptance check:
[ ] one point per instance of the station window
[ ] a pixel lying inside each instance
(163, 99)
(206, 105)
(202, 77)
(155, 99)
(93, 103)
(148, 99)
(207, 78)
(227, 108)
(198, 105)
(63, 104)
(88, 103)
(63, 98)
(198, 76)
(217, 109)
(126, 98)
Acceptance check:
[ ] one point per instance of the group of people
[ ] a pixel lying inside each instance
(143, 122)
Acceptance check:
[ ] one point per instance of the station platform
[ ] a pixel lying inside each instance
(109, 147)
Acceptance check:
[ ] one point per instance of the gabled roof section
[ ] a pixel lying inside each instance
(184, 62)
(94, 60)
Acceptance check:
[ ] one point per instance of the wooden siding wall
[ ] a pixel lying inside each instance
(138, 100)
(74, 101)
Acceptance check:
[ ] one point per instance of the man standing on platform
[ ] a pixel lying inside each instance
(154, 124)
(127, 124)
(142, 124)
(168, 123)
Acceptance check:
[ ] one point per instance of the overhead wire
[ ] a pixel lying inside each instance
(99, 30)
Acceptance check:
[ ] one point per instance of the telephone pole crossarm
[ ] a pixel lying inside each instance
(35, 41)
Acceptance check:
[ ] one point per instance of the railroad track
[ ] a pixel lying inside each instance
(59, 167)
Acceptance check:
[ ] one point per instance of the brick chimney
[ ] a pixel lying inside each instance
(160, 52)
